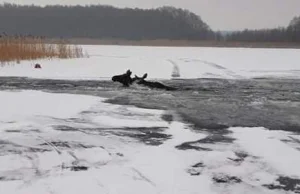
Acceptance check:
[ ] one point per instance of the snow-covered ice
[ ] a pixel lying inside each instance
(16, 105)
(158, 62)
(271, 148)
(86, 145)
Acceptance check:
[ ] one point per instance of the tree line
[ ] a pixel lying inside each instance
(288, 34)
(291, 33)
(107, 22)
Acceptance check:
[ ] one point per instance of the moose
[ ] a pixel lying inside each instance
(158, 85)
(126, 80)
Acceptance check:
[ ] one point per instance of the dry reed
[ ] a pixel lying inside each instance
(31, 48)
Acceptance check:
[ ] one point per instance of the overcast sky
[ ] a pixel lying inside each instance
(218, 14)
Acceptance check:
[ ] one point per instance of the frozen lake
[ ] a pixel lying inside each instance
(68, 129)
(158, 62)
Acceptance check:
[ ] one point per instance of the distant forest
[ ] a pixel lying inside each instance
(103, 22)
(107, 22)
(283, 34)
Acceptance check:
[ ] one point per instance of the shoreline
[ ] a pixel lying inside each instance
(181, 43)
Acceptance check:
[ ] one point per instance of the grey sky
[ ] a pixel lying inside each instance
(219, 14)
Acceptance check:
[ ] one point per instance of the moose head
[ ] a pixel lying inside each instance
(140, 80)
(124, 79)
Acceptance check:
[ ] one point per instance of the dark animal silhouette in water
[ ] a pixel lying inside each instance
(158, 85)
(124, 79)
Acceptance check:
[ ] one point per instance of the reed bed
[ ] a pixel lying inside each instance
(32, 48)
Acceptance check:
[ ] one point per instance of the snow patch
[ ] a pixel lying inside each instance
(29, 103)
(267, 145)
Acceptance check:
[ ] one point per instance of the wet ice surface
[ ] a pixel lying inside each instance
(66, 142)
